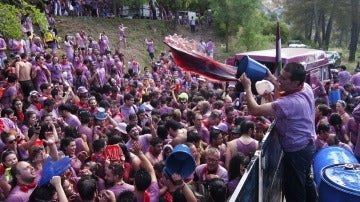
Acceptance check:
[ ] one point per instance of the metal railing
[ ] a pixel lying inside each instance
(262, 180)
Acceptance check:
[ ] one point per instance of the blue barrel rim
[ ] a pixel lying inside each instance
(333, 185)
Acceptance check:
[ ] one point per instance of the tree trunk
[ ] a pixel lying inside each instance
(354, 29)
(115, 7)
(316, 23)
(329, 26)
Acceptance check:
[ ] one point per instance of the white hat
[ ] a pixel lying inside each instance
(121, 127)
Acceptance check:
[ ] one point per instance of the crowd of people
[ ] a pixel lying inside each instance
(118, 121)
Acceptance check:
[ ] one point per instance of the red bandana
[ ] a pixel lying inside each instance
(20, 116)
(25, 187)
(37, 105)
(146, 197)
(204, 172)
(168, 197)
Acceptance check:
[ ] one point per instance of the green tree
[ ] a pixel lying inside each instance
(10, 22)
(229, 15)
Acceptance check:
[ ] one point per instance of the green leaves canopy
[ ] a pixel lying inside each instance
(10, 23)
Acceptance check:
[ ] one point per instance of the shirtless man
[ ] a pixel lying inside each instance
(23, 72)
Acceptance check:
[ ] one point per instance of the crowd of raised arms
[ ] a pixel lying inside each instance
(118, 120)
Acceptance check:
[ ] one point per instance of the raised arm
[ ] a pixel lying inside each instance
(254, 108)
(145, 163)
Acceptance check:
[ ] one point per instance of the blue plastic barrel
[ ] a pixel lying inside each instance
(334, 96)
(340, 183)
(329, 156)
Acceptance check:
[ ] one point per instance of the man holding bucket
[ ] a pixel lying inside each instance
(294, 112)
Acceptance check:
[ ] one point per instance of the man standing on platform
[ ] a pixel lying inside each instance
(294, 113)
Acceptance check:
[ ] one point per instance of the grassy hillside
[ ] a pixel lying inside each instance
(136, 32)
(139, 29)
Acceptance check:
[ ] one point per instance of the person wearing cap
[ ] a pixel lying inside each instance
(234, 133)
(294, 112)
(34, 102)
(100, 123)
(182, 101)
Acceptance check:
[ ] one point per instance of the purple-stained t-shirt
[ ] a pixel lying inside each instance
(126, 111)
(88, 132)
(204, 133)
(143, 142)
(36, 49)
(119, 188)
(102, 75)
(351, 128)
(40, 77)
(355, 79)
(16, 195)
(55, 71)
(295, 119)
(7, 94)
(72, 120)
(221, 172)
(357, 145)
(210, 46)
(2, 45)
(150, 47)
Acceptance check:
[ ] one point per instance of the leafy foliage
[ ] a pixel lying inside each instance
(11, 23)
(245, 20)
